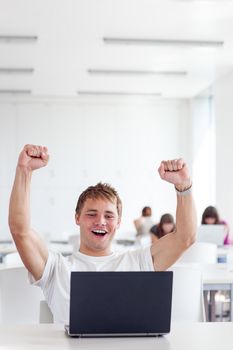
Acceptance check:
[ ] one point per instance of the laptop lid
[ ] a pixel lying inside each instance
(120, 303)
(211, 234)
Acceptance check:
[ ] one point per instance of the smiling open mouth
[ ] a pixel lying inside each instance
(99, 232)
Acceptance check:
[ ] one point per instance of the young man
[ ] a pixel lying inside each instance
(98, 213)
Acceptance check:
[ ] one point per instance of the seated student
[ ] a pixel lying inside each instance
(210, 216)
(165, 226)
(144, 222)
(98, 214)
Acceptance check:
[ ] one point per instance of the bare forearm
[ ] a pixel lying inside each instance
(169, 248)
(19, 211)
(186, 221)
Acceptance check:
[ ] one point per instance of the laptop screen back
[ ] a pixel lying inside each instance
(211, 234)
(111, 303)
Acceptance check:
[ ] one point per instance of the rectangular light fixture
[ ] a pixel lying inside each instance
(118, 93)
(11, 39)
(15, 92)
(7, 70)
(130, 72)
(162, 42)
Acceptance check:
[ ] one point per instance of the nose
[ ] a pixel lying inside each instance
(101, 221)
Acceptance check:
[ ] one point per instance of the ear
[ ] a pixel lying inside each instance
(77, 219)
(118, 222)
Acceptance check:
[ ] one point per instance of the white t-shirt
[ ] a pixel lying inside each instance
(55, 281)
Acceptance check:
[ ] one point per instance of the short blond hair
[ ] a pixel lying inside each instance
(99, 191)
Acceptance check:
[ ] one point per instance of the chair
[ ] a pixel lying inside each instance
(187, 299)
(13, 259)
(201, 253)
(46, 315)
(19, 301)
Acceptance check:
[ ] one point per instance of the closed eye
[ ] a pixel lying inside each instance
(109, 216)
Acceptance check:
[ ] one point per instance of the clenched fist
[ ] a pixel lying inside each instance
(33, 157)
(176, 172)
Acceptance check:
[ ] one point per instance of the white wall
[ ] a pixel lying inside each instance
(120, 141)
(223, 96)
(203, 153)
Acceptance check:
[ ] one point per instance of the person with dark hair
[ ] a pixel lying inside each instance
(98, 214)
(144, 223)
(166, 225)
(210, 216)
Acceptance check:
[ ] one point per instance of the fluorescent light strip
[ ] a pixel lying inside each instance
(15, 91)
(162, 42)
(8, 39)
(119, 93)
(16, 70)
(134, 72)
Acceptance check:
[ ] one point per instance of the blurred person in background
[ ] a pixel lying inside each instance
(166, 225)
(210, 216)
(144, 223)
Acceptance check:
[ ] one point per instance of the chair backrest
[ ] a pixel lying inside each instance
(19, 301)
(201, 253)
(187, 298)
(46, 315)
(13, 259)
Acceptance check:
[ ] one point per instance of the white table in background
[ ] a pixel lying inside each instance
(218, 277)
(64, 249)
(225, 253)
(6, 248)
(183, 336)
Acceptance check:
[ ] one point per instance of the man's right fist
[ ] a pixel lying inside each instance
(33, 157)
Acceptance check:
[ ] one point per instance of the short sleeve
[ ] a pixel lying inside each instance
(144, 258)
(48, 272)
(55, 284)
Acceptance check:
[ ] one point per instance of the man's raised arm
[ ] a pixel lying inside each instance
(169, 248)
(31, 248)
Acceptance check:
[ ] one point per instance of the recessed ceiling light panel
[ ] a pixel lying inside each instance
(15, 91)
(118, 93)
(95, 71)
(163, 42)
(7, 70)
(12, 39)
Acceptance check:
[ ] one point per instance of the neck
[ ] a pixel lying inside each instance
(94, 252)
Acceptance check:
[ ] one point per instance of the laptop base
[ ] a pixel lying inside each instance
(115, 335)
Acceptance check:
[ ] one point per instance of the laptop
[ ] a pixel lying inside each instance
(211, 234)
(111, 304)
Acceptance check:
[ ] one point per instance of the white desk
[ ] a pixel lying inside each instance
(218, 277)
(64, 249)
(225, 253)
(192, 336)
(217, 273)
(6, 248)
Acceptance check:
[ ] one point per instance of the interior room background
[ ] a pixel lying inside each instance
(116, 140)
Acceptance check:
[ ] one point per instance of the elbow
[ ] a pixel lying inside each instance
(16, 229)
(189, 241)
(12, 226)
(186, 240)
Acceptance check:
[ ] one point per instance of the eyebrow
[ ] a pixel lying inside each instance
(95, 211)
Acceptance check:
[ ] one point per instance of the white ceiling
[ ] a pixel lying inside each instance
(70, 41)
